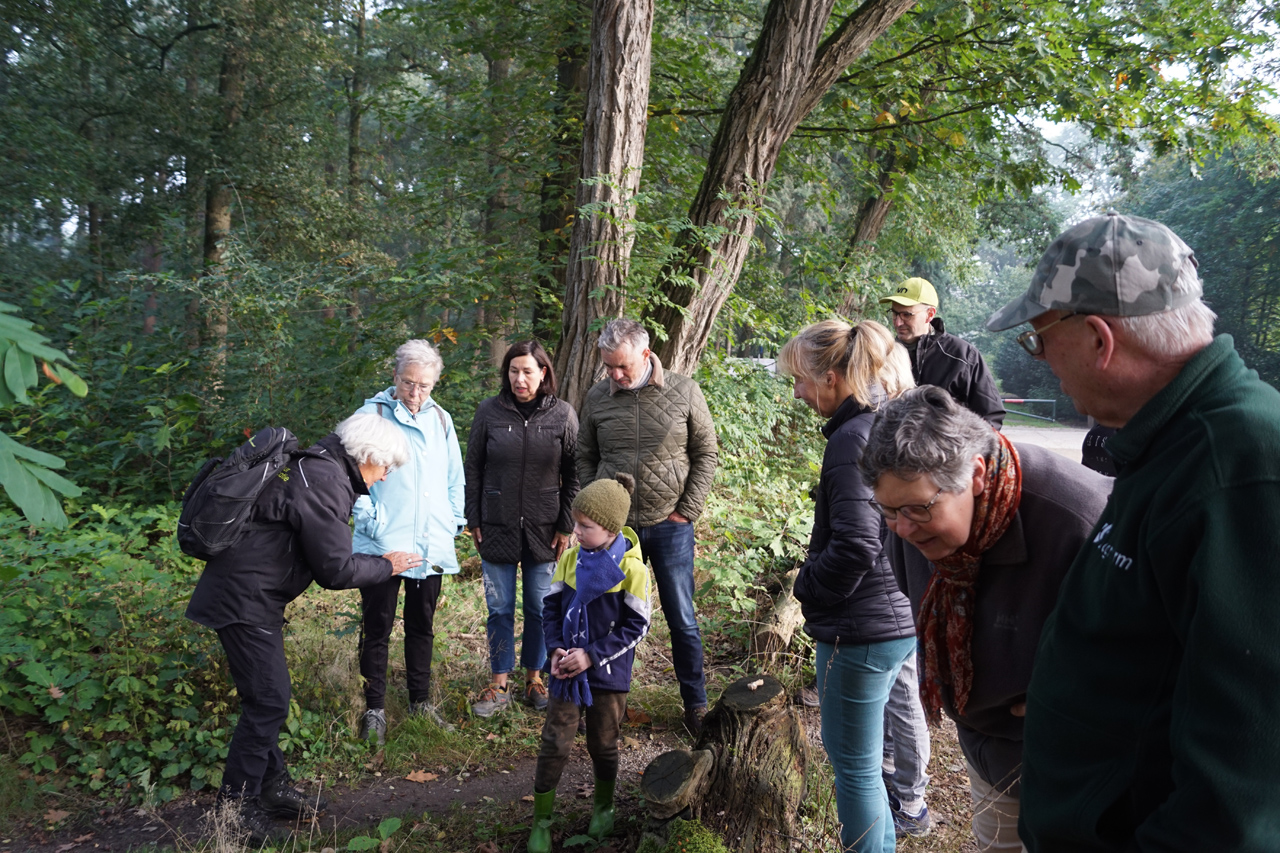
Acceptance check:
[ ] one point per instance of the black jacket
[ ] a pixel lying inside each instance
(955, 365)
(1017, 588)
(845, 587)
(521, 477)
(307, 510)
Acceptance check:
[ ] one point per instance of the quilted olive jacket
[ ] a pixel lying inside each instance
(661, 434)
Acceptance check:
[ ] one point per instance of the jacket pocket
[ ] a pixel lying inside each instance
(491, 507)
(547, 508)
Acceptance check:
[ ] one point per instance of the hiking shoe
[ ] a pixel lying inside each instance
(248, 818)
(374, 725)
(906, 824)
(535, 693)
(428, 711)
(693, 717)
(492, 700)
(806, 697)
(281, 799)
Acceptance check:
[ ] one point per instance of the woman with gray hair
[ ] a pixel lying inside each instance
(981, 535)
(860, 621)
(297, 533)
(420, 509)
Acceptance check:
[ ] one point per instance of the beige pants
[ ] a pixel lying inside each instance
(995, 816)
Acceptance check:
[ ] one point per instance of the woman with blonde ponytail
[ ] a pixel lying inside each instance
(860, 621)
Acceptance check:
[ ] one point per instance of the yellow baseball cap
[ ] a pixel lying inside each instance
(913, 291)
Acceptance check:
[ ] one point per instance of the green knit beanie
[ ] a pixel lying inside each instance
(607, 502)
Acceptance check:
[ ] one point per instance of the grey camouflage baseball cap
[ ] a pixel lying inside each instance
(1121, 266)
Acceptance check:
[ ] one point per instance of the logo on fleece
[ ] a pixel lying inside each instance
(1108, 551)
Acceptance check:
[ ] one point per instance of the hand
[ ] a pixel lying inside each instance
(1018, 709)
(677, 518)
(402, 561)
(556, 656)
(475, 534)
(573, 662)
(561, 541)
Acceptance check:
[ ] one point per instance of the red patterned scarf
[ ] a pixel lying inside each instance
(946, 613)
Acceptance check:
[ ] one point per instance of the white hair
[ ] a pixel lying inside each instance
(373, 440)
(622, 331)
(1173, 334)
(421, 353)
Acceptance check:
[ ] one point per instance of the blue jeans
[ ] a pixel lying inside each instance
(500, 595)
(668, 545)
(853, 686)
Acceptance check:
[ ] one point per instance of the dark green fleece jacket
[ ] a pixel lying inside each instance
(1153, 714)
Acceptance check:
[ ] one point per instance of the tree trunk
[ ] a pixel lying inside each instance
(612, 155)
(355, 106)
(789, 70)
(869, 221)
(745, 777)
(555, 220)
(774, 635)
(501, 314)
(218, 194)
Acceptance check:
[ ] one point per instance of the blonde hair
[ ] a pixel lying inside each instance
(866, 355)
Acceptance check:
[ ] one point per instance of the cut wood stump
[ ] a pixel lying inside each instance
(780, 625)
(746, 776)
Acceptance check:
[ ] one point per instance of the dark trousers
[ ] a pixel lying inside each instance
(668, 545)
(604, 721)
(261, 675)
(378, 604)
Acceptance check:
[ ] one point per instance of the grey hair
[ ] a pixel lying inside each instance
(1173, 334)
(926, 432)
(421, 353)
(622, 331)
(373, 440)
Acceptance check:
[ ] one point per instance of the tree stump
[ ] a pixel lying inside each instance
(746, 776)
(780, 625)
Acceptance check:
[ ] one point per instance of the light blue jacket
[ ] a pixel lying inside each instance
(421, 507)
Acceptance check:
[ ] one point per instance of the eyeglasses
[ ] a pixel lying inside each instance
(1032, 342)
(919, 513)
(421, 387)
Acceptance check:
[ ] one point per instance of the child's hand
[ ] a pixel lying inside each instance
(557, 655)
(573, 662)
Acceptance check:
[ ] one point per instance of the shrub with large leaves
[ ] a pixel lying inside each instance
(28, 475)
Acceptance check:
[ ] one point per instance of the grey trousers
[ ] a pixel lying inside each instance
(906, 740)
(604, 720)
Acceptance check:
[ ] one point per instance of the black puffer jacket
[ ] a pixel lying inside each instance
(845, 587)
(308, 508)
(956, 366)
(521, 477)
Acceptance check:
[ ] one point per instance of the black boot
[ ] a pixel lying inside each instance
(281, 799)
(249, 818)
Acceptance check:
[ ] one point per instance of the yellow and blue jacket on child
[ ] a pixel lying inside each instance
(618, 618)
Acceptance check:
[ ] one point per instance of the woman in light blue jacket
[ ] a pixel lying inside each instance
(420, 508)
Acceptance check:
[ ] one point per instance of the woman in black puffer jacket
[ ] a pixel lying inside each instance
(521, 482)
(853, 609)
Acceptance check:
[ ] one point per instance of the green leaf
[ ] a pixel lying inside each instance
(75, 384)
(389, 827)
(13, 374)
(363, 842)
(39, 457)
(54, 481)
(39, 350)
(23, 489)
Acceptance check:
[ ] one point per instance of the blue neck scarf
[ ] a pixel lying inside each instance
(597, 572)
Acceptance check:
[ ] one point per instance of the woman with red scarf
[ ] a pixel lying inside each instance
(982, 534)
(859, 619)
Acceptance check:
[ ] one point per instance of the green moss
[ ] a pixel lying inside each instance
(684, 836)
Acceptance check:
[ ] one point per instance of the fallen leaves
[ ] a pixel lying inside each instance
(56, 816)
(422, 776)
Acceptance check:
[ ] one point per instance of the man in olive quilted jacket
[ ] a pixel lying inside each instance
(655, 426)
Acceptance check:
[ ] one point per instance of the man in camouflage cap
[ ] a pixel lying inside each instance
(1151, 710)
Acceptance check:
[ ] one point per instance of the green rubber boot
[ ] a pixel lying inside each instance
(540, 837)
(602, 816)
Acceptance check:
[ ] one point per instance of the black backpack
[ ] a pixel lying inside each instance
(216, 506)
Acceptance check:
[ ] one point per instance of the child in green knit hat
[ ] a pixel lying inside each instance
(594, 615)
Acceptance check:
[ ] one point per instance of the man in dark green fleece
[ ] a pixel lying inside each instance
(1153, 715)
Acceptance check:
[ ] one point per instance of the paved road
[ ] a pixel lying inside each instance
(1062, 440)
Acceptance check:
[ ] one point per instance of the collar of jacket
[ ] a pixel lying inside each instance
(656, 379)
(1216, 366)
(545, 401)
(387, 398)
(850, 408)
(331, 448)
(936, 329)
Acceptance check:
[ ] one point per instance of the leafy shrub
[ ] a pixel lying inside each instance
(115, 687)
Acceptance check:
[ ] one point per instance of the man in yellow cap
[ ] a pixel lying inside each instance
(939, 358)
